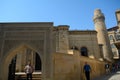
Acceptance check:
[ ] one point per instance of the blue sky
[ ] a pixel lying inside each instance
(77, 14)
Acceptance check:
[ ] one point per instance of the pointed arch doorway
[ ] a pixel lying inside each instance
(37, 36)
(17, 59)
(28, 55)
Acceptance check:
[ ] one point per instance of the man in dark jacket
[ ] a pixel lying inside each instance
(87, 70)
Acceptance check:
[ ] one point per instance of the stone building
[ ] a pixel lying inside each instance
(64, 40)
(114, 36)
(42, 42)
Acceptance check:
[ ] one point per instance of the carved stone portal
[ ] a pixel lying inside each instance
(15, 38)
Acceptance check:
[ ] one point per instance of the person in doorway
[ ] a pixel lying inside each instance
(87, 70)
(29, 70)
(107, 68)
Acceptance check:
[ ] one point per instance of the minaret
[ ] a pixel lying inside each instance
(102, 35)
(118, 18)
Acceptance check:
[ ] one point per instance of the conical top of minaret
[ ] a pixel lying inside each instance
(97, 11)
(98, 15)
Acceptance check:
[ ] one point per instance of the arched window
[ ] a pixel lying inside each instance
(110, 37)
(84, 51)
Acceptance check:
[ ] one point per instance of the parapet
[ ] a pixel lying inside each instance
(61, 27)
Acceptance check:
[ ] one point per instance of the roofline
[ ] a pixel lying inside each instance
(25, 22)
(83, 30)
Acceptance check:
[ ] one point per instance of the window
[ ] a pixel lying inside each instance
(84, 51)
(110, 37)
(118, 36)
(113, 46)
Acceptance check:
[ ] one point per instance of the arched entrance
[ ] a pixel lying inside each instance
(12, 67)
(15, 64)
(84, 51)
(15, 37)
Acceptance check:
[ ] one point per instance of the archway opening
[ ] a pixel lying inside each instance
(37, 62)
(19, 60)
(84, 51)
(12, 67)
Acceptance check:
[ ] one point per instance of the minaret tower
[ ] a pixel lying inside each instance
(118, 18)
(102, 35)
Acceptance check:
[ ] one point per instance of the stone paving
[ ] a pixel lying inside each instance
(111, 76)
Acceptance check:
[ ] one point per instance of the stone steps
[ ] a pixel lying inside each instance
(22, 76)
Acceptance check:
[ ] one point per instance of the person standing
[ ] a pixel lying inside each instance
(87, 70)
(29, 70)
(107, 68)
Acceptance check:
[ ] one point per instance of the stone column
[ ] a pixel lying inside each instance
(18, 62)
(23, 59)
(102, 35)
(33, 58)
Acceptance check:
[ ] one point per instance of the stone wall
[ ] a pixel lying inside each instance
(70, 66)
(63, 67)
(87, 39)
(97, 67)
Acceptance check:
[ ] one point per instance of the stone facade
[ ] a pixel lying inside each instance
(72, 66)
(68, 39)
(114, 36)
(85, 39)
(24, 39)
(16, 37)
(56, 46)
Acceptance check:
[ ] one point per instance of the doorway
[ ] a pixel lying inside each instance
(18, 63)
(37, 62)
